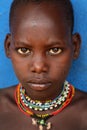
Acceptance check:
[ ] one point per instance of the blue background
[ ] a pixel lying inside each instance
(78, 73)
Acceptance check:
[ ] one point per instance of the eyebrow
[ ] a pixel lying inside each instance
(21, 43)
(56, 42)
(48, 44)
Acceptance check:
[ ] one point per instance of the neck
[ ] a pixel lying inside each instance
(39, 117)
(44, 95)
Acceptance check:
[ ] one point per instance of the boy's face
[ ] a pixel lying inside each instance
(41, 49)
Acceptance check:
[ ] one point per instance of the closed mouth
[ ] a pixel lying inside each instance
(39, 86)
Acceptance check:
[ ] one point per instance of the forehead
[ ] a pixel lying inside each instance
(37, 12)
(41, 17)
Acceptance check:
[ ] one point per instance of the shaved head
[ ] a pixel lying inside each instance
(63, 4)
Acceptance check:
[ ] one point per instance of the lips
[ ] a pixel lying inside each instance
(39, 86)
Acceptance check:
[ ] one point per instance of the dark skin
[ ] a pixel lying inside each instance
(42, 51)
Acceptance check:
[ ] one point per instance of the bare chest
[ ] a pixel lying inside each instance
(18, 121)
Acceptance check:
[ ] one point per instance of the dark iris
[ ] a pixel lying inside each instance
(24, 50)
(55, 49)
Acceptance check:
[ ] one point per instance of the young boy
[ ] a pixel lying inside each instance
(42, 47)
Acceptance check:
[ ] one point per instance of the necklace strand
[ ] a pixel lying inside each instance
(39, 106)
(41, 119)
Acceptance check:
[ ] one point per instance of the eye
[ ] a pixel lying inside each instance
(55, 51)
(23, 51)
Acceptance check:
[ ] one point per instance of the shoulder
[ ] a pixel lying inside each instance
(80, 100)
(7, 91)
(81, 107)
(7, 98)
(81, 97)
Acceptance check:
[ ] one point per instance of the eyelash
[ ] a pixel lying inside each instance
(26, 51)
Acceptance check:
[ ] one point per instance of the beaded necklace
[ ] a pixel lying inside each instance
(39, 106)
(41, 119)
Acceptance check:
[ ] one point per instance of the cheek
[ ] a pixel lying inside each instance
(60, 71)
(20, 67)
(61, 66)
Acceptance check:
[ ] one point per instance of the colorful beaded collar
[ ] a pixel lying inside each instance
(26, 105)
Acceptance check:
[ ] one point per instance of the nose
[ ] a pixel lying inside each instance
(39, 64)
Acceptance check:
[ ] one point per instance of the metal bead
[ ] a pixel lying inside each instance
(26, 105)
(36, 109)
(49, 125)
(55, 105)
(30, 107)
(45, 108)
(51, 108)
(40, 127)
(34, 122)
(40, 109)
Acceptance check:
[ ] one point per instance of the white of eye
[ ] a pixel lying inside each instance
(23, 51)
(55, 51)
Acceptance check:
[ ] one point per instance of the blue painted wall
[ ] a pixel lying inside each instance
(78, 73)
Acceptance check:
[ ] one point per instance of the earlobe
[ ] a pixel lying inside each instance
(76, 40)
(7, 44)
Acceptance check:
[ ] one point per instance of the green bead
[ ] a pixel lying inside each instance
(42, 122)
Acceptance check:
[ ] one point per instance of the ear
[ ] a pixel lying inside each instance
(76, 41)
(7, 44)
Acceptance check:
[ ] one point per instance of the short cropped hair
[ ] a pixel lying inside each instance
(65, 3)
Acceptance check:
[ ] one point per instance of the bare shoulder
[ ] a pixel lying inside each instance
(81, 101)
(81, 98)
(81, 108)
(7, 98)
